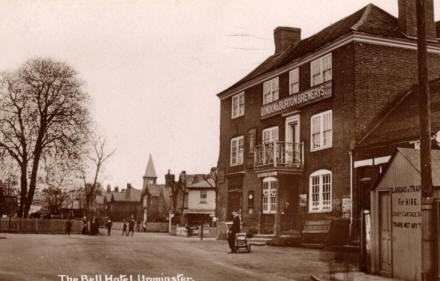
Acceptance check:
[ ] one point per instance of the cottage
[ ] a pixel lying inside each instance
(289, 129)
(200, 193)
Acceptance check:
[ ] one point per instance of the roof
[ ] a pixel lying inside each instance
(400, 120)
(100, 199)
(413, 157)
(155, 189)
(133, 196)
(370, 19)
(199, 181)
(150, 172)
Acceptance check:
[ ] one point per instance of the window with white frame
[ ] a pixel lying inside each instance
(270, 186)
(203, 196)
(321, 70)
(320, 191)
(294, 81)
(321, 131)
(237, 151)
(238, 105)
(270, 90)
(270, 134)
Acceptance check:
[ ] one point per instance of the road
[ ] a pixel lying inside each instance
(36, 257)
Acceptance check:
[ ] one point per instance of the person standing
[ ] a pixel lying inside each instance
(109, 226)
(124, 228)
(131, 223)
(234, 229)
(68, 226)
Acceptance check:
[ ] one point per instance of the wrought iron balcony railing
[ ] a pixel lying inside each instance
(279, 154)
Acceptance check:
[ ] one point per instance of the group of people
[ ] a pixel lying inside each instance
(131, 223)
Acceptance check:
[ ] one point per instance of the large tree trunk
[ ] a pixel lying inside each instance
(33, 182)
(23, 191)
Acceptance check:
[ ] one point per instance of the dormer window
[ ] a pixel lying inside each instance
(238, 105)
(270, 90)
(321, 70)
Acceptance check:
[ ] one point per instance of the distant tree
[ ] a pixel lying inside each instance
(54, 198)
(43, 113)
(97, 156)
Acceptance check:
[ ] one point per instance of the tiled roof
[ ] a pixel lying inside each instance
(155, 189)
(400, 120)
(370, 19)
(199, 182)
(135, 195)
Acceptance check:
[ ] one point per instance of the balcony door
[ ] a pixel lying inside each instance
(292, 139)
(270, 148)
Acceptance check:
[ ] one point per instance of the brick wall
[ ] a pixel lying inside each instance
(381, 74)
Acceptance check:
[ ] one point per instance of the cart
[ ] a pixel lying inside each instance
(241, 243)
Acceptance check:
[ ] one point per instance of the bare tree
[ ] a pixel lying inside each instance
(43, 111)
(98, 156)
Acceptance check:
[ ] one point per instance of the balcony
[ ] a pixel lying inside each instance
(279, 156)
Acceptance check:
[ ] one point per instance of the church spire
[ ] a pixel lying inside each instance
(150, 172)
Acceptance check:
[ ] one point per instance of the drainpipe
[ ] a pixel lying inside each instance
(350, 153)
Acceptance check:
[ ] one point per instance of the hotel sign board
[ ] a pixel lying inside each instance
(312, 95)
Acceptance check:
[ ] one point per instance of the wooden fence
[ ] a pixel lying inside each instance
(46, 226)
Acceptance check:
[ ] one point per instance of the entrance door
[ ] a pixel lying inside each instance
(292, 140)
(234, 203)
(385, 232)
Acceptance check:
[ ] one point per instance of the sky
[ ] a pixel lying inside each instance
(153, 68)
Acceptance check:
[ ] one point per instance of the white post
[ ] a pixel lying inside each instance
(350, 153)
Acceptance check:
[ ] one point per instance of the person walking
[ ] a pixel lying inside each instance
(234, 229)
(109, 226)
(131, 223)
(68, 226)
(124, 228)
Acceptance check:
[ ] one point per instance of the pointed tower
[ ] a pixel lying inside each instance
(150, 174)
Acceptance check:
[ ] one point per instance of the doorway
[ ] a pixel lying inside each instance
(292, 154)
(385, 233)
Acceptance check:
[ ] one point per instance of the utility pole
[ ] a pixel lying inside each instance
(424, 102)
(428, 266)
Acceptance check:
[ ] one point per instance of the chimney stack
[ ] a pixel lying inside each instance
(169, 179)
(408, 18)
(285, 37)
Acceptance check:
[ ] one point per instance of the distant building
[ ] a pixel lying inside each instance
(124, 204)
(200, 197)
(193, 198)
(155, 198)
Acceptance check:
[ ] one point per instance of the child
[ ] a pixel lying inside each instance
(124, 228)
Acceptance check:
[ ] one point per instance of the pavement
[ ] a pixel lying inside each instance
(159, 257)
(350, 276)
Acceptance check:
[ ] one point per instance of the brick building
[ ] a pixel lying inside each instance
(123, 204)
(289, 128)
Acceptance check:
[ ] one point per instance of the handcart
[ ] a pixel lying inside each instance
(241, 243)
